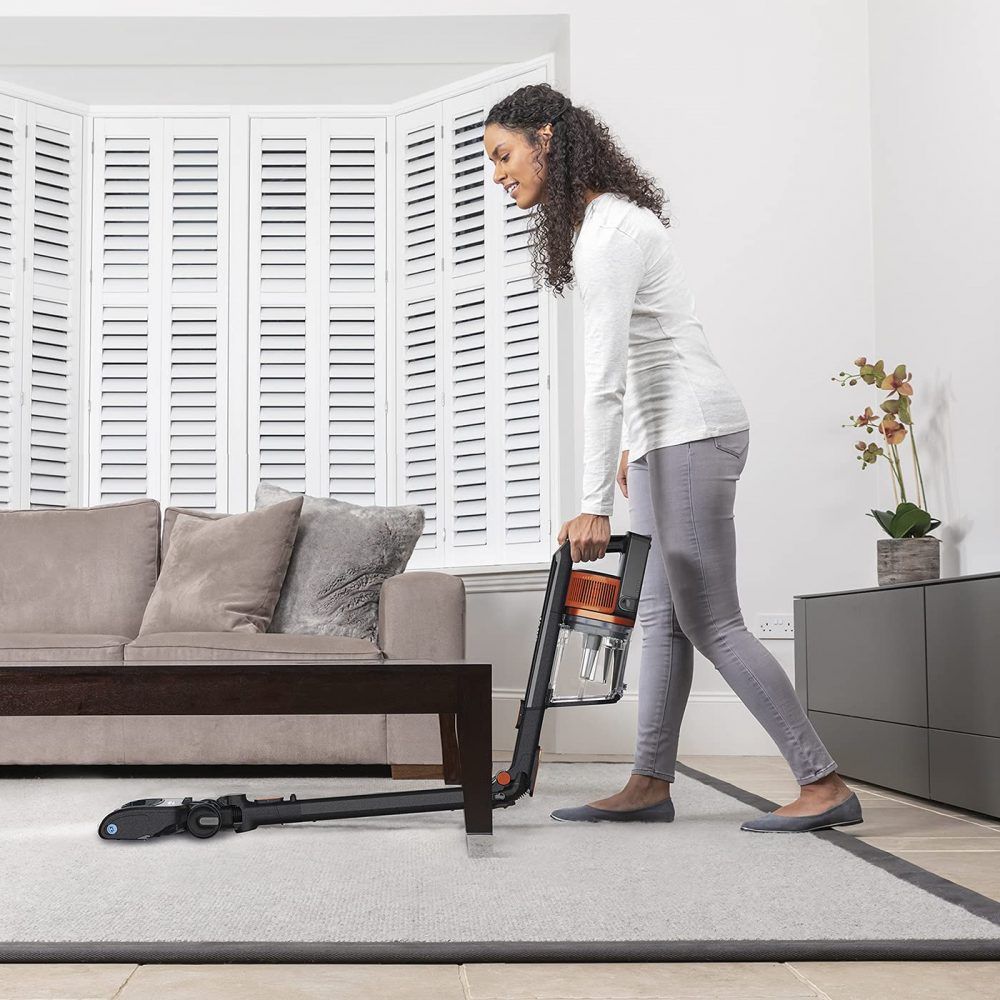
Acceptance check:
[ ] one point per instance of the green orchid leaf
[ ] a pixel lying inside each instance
(884, 517)
(909, 522)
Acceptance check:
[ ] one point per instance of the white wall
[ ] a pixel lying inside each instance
(766, 122)
(936, 181)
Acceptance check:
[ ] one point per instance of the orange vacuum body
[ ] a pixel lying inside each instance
(595, 610)
(594, 595)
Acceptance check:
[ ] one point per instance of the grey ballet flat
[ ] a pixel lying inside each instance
(845, 813)
(662, 812)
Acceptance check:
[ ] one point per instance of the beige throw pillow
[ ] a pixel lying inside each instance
(223, 575)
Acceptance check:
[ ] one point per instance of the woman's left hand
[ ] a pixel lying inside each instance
(589, 535)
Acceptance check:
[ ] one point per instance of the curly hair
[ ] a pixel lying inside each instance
(582, 154)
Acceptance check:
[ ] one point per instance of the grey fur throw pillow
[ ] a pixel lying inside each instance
(343, 553)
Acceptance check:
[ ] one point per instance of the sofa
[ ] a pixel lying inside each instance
(74, 585)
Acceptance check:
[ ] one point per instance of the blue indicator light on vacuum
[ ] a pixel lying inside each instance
(112, 829)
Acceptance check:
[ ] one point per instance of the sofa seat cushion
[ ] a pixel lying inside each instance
(168, 647)
(53, 647)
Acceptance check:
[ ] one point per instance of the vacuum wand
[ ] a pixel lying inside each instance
(600, 607)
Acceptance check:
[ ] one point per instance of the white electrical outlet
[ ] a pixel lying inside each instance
(775, 627)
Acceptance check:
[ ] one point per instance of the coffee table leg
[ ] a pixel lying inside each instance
(475, 752)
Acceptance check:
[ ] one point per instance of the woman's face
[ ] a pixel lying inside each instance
(513, 163)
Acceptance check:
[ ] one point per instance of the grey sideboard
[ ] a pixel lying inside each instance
(902, 683)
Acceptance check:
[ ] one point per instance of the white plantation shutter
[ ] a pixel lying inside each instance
(354, 306)
(281, 384)
(524, 378)
(317, 399)
(11, 212)
(195, 406)
(7, 399)
(196, 396)
(159, 354)
(125, 326)
(122, 385)
(471, 343)
(522, 399)
(467, 390)
(52, 277)
(419, 347)
(356, 438)
(420, 455)
(468, 398)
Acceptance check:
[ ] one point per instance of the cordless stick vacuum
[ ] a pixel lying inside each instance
(598, 607)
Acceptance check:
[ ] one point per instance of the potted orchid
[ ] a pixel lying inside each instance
(909, 553)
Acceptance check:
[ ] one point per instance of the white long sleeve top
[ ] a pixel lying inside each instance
(650, 376)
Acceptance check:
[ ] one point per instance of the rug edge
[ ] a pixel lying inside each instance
(472, 952)
(937, 885)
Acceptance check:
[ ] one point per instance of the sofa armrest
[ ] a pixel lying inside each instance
(421, 616)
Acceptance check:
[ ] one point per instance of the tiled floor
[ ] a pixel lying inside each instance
(958, 845)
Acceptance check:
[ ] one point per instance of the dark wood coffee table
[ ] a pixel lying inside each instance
(452, 688)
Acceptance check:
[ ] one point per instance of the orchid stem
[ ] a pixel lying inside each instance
(920, 478)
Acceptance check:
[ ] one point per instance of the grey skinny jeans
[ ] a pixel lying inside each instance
(682, 496)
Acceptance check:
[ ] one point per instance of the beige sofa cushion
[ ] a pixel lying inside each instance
(51, 647)
(188, 647)
(86, 570)
(223, 575)
(170, 515)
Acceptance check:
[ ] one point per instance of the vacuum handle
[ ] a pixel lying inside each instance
(634, 549)
(617, 543)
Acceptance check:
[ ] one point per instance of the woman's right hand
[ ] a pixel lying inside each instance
(622, 477)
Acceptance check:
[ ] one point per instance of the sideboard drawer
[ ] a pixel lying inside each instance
(964, 771)
(882, 753)
(865, 655)
(963, 656)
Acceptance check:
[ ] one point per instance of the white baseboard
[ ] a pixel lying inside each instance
(715, 722)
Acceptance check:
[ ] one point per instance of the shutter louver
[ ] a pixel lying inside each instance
(193, 420)
(123, 385)
(50, 443)
(352, 214)
(420, 416)
(419, 346)
(420, 205)
(52, 287)
(194, 215)
(11, 198)
(468, 208)
(9, 181)
(194, 407)
(53, 215)
(283, 214)
(125, 212)
(7, 400)
(353, 395)
(522, 413)
(351, 399)
(516, 233)
(468, 412)
(126, 315)
(283, 296)
(282, 394)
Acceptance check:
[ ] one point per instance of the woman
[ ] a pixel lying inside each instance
(598, 221)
